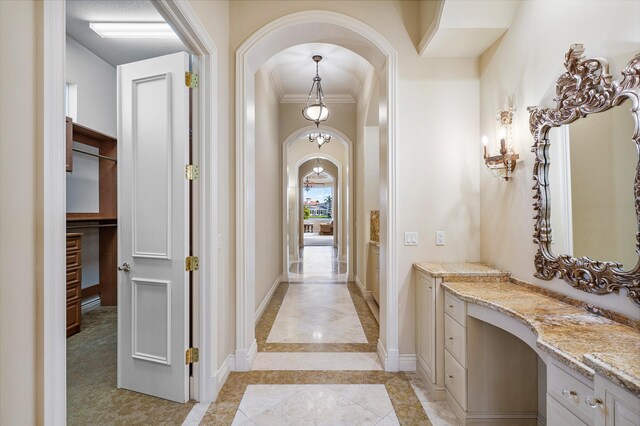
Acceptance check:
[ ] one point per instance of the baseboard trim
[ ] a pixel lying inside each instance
(90, 304)
(389, 359)
(244, 358)
(222, 374)
(407, 362)
(267, 299)
(436, 392)
(362, 288)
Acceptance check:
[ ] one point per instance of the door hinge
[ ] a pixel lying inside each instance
(191, 263)
(192, 355)
(191, 80)
(191, 172)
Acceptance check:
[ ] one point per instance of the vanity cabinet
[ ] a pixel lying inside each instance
(614, 405)
(430, 315)
(490, 375)
(426, 326)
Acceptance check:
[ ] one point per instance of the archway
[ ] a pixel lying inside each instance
(282, 33)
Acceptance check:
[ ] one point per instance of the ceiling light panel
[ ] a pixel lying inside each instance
(133, 29)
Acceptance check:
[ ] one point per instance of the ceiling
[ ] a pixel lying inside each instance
(117, 51)
(466, 28)
(342, 72)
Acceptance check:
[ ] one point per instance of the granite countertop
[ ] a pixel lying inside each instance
(585, 342)
(456, 270)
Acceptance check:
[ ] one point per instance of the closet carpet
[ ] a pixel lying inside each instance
(92, 396)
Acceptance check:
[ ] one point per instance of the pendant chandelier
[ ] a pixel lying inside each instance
(316, 110)
(307, 184)
(319, 138)
(318, 167)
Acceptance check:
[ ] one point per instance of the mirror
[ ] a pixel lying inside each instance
(587, 181)
(591, 175)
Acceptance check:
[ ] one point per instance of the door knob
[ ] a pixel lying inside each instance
(125, 267)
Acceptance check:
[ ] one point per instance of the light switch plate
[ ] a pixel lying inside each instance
(410, 238)
(439, 238)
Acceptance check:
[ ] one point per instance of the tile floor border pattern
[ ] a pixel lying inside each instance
(367, 320)
(406, 404)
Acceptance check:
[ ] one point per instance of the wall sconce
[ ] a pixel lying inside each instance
(504, 164)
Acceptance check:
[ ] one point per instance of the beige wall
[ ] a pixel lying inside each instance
(19, 149)
(524, 64)
(214, 15)
(268, 196)
(367, 187)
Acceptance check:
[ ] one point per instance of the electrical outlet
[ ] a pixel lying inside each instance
(410, 238)
(439, 238)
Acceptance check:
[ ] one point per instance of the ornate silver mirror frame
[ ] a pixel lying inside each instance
(585, 88)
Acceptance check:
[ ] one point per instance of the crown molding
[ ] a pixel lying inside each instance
(275, 78)
(301, 98)
(361, 75)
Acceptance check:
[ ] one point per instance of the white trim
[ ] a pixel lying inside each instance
(183, 19)
(90, 304)
(407, 362)
(268, 297)
(363, 289)
(252, 54)
(222, 373)
(244, 359)
(52, 377)
(301, 98)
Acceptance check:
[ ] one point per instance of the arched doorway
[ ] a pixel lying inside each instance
(294, 29)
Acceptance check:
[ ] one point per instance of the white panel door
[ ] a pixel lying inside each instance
(153, 220)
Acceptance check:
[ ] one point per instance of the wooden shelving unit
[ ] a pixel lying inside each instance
(106, 218)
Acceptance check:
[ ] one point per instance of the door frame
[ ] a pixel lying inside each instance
(52, 208)
(271, 38)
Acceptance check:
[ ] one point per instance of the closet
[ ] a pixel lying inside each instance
(96, 156)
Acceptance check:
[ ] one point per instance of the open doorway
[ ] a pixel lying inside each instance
(129, 216)
(317, 210)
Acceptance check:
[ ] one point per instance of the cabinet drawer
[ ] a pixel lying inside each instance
(74, 259)
(74, 243)
(74, 275)
(557, 415)
(455, 308)
(455, 339)
(73, 317)
(455, 379)
(570, 392)
(74, 292)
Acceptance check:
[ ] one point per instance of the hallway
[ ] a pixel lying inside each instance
(317, 361)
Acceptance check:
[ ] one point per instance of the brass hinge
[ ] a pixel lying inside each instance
(192, 355)
(191, 80)
(191, 263)
(191, 172)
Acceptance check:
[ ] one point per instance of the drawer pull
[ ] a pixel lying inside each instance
(450, 306)
(450, 376)
(450, 338)
(592, 401)
(570, 393)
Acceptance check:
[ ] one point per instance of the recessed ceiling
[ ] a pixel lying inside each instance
(117, 51)
(342, 72)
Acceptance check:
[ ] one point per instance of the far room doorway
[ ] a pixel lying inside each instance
(317, 209)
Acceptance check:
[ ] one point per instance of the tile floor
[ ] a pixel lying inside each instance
(318, 264)
(309, 371)
(317, 313)
(315, 404)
